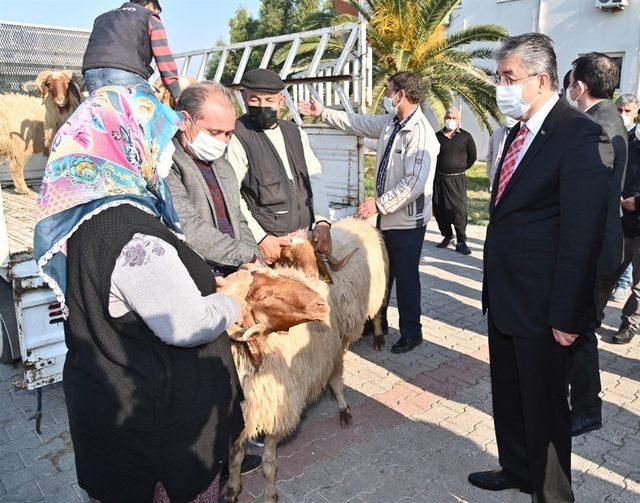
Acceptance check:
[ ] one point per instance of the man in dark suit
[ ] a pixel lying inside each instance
(593, 80)
(547, 217)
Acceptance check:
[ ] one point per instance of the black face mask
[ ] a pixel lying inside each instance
(263, 117)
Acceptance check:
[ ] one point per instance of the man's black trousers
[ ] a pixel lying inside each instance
(450, 205)
(531, 413)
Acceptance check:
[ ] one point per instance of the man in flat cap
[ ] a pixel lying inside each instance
(280, 176)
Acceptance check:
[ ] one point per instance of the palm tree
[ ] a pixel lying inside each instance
(410, 35)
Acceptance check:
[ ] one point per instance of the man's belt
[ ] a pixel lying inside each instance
(449, 174)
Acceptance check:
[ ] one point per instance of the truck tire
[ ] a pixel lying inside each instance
(9, 342)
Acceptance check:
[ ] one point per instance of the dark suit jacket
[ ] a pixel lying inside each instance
(631, 219)
(193, 202)
(545, 233)
(605, 114)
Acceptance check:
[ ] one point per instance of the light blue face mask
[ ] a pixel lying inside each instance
(388, 104)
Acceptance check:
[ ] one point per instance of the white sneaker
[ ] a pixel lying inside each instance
(619, 295)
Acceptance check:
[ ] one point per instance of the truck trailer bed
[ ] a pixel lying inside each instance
(20, 217)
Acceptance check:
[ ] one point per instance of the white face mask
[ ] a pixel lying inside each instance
(572, 102)
(163, 166)
(627, 121)
(205, 147)
(451, 124)
(509, 122)
(510, 100)
(388, 104)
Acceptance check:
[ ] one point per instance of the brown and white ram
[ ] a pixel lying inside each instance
(61, 94)
(282, 372)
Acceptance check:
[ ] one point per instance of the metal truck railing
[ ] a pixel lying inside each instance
(28, 49)
(339, 79)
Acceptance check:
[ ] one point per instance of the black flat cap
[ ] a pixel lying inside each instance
(262, 80)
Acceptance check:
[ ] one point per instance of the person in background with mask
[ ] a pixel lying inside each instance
(628, 105)
(280, 177)
(496, 146)
(202, 183)
(406, 159)
(594, 77)
(547, 215)
(457, 154)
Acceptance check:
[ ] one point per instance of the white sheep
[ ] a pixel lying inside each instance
(21, 134)
(296, 365)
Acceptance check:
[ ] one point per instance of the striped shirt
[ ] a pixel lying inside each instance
(163, 56)
(384, 163)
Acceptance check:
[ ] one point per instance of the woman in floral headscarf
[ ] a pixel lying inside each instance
(151, 389)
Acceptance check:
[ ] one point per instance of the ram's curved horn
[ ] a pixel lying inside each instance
(323, 270)
(336, 264)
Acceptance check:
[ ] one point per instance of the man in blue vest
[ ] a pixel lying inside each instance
(122, 45)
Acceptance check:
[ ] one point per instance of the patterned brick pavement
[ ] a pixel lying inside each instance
(422, 421)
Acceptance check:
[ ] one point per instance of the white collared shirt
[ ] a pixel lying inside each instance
(535, 123)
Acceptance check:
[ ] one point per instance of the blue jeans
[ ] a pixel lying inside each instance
(624, 281)
(101, 77)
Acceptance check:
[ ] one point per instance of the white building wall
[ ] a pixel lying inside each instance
(576, 27)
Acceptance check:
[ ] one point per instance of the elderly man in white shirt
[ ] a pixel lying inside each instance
(406, 159)
(280, 177)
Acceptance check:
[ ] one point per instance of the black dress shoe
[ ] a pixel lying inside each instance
(581, 424)
(624, 335)
(498, 480)
(463, 248)
(406, 344)
(250, 463)
(444, 243)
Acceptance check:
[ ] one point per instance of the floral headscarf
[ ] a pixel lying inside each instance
(105, 155)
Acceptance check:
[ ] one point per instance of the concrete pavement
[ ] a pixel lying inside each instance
(422, 421)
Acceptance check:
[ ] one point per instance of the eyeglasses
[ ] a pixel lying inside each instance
(506, 81)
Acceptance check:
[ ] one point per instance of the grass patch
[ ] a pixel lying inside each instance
(477, 189)
(478, 194)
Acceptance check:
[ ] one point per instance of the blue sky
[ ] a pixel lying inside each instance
(191, 24)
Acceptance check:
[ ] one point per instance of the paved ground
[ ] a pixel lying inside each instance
(421, 421)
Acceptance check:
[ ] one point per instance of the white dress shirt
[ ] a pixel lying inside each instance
(535, 123)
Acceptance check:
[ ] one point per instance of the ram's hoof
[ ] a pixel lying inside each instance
(378, 342)
(345, 417)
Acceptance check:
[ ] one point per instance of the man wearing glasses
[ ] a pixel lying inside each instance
(547, 215)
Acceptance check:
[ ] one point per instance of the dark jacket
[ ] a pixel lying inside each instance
(545, 233)
(605, 114)
(192, 200)
(631, 219)
(120, 39)
(141, 411)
